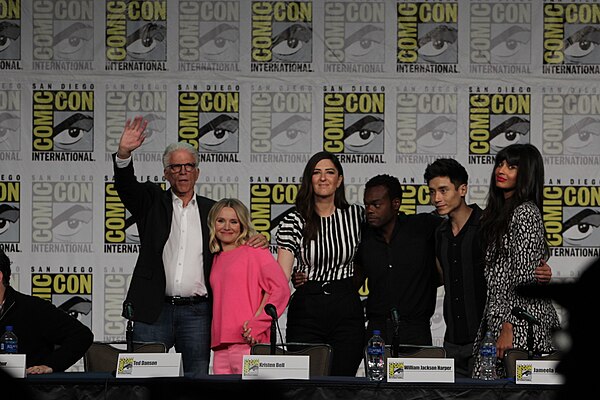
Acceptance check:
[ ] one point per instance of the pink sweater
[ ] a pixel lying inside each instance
(238, 279)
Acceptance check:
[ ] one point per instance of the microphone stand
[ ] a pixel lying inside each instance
(396, 335)
(529, 340)
(129, 336)
(273, 336)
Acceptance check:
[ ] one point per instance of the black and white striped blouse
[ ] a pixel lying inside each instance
(331, 255)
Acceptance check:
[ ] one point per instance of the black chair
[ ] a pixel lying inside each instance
(512, 355)
(319, 354)
(103, 356)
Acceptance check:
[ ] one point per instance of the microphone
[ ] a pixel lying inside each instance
(395, 318)
(128, 314)
(271, 311)
(128, 310)
(524, 315)
(396, 336)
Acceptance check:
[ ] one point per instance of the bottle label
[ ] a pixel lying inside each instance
(488, 351)
(375, 350)
(10, 347)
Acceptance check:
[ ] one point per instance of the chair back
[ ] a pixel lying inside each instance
(319, 354)
(512, 355)
(103, 356)
(414, 351)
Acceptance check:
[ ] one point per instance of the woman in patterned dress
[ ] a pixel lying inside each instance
(513, 230)
(321, 236)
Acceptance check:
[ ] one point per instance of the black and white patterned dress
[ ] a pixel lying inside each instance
(507, 267)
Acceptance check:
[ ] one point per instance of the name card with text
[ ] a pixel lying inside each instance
(275, 367)
(13, 364)
(420, 369)
(538, 372)
(149, 365)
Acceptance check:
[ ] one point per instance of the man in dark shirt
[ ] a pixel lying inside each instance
(397, 257)
(460, 255)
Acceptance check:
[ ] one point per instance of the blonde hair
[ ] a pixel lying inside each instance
(246, 228)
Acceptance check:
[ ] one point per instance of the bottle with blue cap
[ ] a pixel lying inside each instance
(376, 357)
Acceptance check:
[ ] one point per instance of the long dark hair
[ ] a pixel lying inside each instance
(530, 187)
(305, 200)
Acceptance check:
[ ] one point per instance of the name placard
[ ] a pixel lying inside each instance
(538, 372)
(420, 369)
(13, 364)
(149, 365)
(275, 367)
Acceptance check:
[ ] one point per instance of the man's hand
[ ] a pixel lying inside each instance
(132, 137)
(258, 240)
(543, 273)
(39, 369)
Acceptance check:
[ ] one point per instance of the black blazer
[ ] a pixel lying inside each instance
(152, 209)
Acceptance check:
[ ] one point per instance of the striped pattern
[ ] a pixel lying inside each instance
(331, 256)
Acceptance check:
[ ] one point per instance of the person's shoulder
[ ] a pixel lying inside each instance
(527, 208)
(203, 200)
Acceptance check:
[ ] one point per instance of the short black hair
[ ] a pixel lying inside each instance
(447, 167)
(4, 268)
(391, 183)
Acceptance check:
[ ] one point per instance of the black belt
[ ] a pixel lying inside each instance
(184, 301)
(327, 287)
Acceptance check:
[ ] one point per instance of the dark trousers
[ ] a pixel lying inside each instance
(413, 332)
(333, 316)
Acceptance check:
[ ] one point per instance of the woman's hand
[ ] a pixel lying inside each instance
(246, 334)
(505, 340)
(39, 369)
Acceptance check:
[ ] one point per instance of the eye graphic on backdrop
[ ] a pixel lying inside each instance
(219, 134)
(362, 133)
(365, 44)
(76, 306)
(220, 43)
(582, 228)
(582, 137)
(70, 222)
(291, 135)
(510, 45)
(157, 125)
(145, 40)
(9, 215)
(292, 44)
(9, 34)
(582, 46)
(71, 42)
(437, 136)
(511, 131)
(72, 130)
(439, 45)
(9, 130)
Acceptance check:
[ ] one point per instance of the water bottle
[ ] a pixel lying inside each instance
(488, 357)
(376, 357)
(9, 343)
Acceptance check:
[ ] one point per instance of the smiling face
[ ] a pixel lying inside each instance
(182, 182)
(325, 179)
(227, 228)
(506, 177)
(445, 197)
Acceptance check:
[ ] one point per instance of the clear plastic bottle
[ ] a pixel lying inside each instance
(9, 344)
(376, 357)
(488, 357)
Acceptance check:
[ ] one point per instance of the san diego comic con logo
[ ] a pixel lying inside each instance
(570, 38)
(63, 34)
(61, 216)
(282, 36)
(497, 120)
(10, 121)
(63, 123)
(10, 34)
(571, 126)
(426, 123)
(149, 101)
(353, 123)
(136, 35)
(115, 290)
(500, 37)
(219, 188)
(68, 288)
(571, 215)
(10, 214)
(354, 37)
(280, 125)
(269, 203)
(427, 37)
(209, 35)
(209, 120)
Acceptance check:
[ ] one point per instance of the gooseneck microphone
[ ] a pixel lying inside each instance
(396, 334)
(128, 313)
(271, 311)
(521, 313)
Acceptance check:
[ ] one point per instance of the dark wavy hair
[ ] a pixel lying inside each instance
(529, 187)
(5, 268)
(449, 167)
(305, 200)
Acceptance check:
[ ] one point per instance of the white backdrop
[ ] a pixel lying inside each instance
(258, 87)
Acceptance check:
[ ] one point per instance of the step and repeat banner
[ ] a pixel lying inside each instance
(258, 87)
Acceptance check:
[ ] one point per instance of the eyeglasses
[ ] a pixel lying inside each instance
(176, 168)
